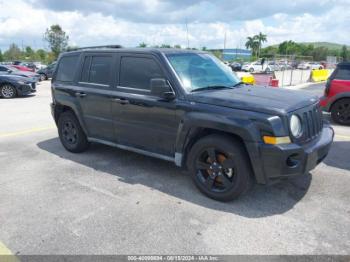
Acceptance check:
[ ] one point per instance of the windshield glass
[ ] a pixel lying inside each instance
(198, 71)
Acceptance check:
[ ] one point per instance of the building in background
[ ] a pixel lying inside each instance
(234, 54)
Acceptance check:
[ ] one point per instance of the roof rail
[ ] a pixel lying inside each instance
(95, 47)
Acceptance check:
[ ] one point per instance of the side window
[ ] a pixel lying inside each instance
(343, 73)
(137, 72)
(100, 69)
(2, 68)
(66, 68)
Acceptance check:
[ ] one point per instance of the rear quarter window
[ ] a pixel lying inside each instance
(342, 73)
(67, 68)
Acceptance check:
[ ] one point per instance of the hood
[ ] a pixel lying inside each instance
(11, 77)
(261, 99)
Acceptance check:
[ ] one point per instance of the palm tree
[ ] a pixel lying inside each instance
(261, 39)
(253, 44)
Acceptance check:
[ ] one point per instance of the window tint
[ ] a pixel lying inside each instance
(137, 72)
(100, 69)
(2, 68)
(66, 68)
(343, 73)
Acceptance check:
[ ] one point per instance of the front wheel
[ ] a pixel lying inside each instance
(71, 134)
(8, 91)
(220, 167)
(341, 112)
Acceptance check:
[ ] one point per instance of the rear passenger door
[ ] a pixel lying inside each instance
(141, 120)
(94, 94)
(340, 80)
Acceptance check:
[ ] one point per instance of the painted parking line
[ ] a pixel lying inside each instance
(343, 137)
(4, 250)
(27, 131)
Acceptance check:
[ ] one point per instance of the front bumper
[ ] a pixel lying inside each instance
(26, 89)
(291, 159)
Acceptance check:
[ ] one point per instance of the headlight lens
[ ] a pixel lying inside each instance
(21, 82)
(295, 126)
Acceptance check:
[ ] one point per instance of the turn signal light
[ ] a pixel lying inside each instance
(272, 140)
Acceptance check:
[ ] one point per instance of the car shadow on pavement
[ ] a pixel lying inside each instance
(339, 155)
(165, 177)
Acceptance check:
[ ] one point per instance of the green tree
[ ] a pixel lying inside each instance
(261, 38)
(177, 46)
(1, 56)
(289, 48)
(57, 39)
(269, 51)
(41, 54)
(29, 53)
(344, 53)
(13, 53)
(142, 45)
(165, 46)
(252, 44)
(217, 53)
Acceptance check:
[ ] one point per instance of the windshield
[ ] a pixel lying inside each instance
(199, 71)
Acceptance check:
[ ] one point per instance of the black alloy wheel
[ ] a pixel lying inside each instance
(341, 112)
(220, 167)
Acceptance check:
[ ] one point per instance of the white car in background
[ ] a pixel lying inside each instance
(257, 67)
(310, 65)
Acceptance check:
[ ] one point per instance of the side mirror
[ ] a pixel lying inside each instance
(160, 88)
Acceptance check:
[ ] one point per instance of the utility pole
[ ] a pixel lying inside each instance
(225, 40)
(188, 40)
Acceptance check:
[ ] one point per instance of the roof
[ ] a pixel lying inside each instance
(135, 50)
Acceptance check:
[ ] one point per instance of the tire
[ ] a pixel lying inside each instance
(251, 70)
(211, 177)
(8, 91)
(43, 77)
(340, 111)
(71, 134)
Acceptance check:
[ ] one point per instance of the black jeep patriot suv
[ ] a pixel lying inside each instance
(189, 108)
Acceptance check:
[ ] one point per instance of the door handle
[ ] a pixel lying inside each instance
(80, 94)
(121, 101)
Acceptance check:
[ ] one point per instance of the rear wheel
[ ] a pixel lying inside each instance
(341, 111)
(251, 70)
(220, 167)
(43, 77)
(71, 134)
(8, 91)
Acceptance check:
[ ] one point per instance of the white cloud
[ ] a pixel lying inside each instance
(26, 21)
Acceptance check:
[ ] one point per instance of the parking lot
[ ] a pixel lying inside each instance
(110, 201)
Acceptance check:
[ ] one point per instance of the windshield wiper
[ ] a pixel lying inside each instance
(210, 88)
(238, 84)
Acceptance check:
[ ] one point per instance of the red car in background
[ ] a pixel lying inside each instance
(23, 68)
(336, 99)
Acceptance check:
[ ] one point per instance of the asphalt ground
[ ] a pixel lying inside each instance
(110, 201)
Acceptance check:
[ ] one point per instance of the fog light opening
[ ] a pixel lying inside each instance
(293, 161)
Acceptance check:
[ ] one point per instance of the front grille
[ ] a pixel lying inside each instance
(312, 122)
(33, 86)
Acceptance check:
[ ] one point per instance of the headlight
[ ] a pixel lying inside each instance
(21, 82)
(295, 126)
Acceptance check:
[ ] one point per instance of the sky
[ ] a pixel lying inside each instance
(156, 22)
